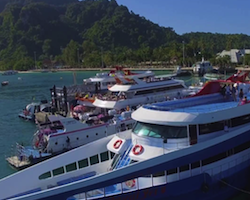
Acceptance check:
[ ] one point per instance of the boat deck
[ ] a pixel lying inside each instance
(16, 162)
(201, 104)
(207, 108)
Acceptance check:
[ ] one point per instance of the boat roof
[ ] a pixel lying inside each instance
(135, 84)
(194, 110)
(207, 106)
(108, 76)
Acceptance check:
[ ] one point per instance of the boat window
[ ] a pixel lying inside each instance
(71, 167)
(104, 156)
(171, 171)
(160, 131)
(184, 168)
(242, 147)
(174, 87)
(195, 164)
(112, 154)
(158, 174)
(83, 163)
(211, 127)
(58, 171)
(45, 175)
(215, 158)
(94, 160)
(237, 121)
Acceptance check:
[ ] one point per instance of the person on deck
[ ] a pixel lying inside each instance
(223, 91)
(241, 94)
(228, 91)
(244, 101)
(233, 93)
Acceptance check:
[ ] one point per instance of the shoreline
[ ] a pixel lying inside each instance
(152, 68)
(101, 69)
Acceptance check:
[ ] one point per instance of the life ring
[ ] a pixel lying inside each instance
(137, 149)
(130, 183)
(117, 144)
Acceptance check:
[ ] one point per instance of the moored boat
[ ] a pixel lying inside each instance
(201, 68)
(4, 83)
(133, 92)
(214, 75)
(31, 109)
(10, 72)
(102, 81)
(61, 134)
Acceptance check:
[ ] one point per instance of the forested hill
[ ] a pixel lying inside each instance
(83, 33)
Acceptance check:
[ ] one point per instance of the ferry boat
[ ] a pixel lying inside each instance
(201, 68)
(102, 81)
(133, 92)
(61, 134)
(200, 144)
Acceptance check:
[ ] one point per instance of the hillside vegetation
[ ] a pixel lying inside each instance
(93, 33)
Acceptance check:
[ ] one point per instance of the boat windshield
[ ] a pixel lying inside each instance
(160, 131)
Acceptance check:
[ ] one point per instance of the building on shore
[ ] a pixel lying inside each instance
(234, 54)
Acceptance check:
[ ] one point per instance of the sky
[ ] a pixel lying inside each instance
(185, 16)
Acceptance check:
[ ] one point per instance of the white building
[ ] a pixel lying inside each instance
(235, 54)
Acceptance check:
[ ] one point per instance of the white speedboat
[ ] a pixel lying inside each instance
(201, 68)
(31, 109)
(200, 144)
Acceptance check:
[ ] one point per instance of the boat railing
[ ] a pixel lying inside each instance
(124, 159)
(138, 183)
(111, 97)
(184, 103)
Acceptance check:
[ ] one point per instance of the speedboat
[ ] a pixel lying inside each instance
(201, 68)
(4, 83)
(133, 92)
(200, 144)
(31, 109)
(214, 75)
